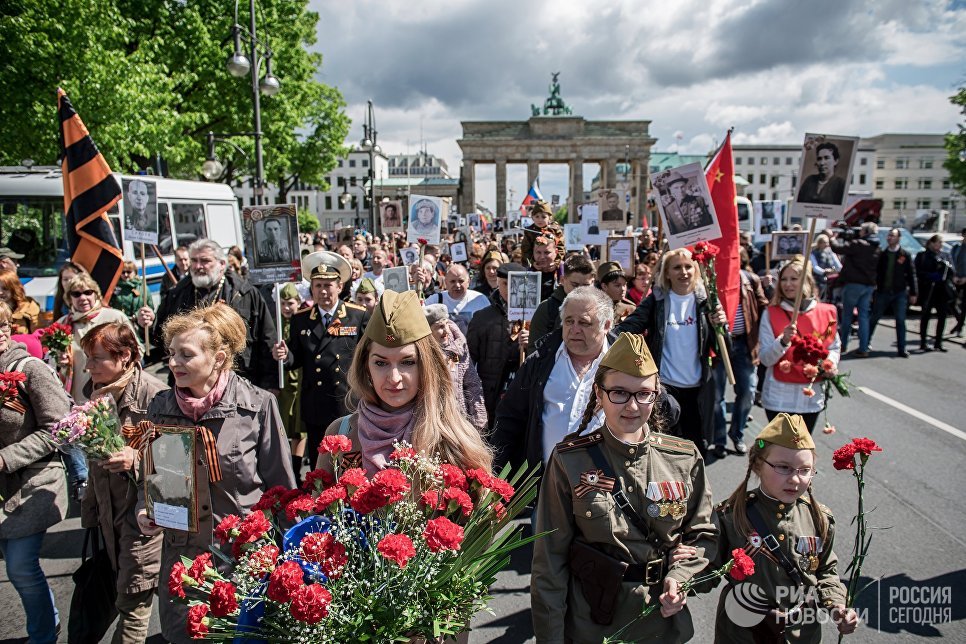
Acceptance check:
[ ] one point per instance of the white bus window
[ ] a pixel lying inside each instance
(34, 226)
(189, 222)
(221, 223)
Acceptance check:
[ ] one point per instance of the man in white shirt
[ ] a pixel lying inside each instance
(461, 301)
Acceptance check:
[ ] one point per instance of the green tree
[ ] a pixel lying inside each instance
(955, 162)
(148, 78)
(308, 223)
(561, 215)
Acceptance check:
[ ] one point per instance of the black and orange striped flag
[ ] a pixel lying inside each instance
(89, 191)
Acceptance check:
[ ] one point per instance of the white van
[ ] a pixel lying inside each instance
(32, 222)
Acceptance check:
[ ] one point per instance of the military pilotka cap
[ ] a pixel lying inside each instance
(630, 355)
(397, 320)
(491, 255)
(290, 292)
(366, 286)
(6, 252)
(608, 269)
(326, 265)
(674, 177)
(787, 430)
(541, 206)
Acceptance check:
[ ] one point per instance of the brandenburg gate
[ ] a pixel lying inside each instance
(555, 135)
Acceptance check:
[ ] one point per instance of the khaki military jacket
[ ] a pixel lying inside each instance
(573, 512)
(794, 529)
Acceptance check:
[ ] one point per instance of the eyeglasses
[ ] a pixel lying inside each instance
(620, 397)
(785, 470)
(86, 293)
(5, 328)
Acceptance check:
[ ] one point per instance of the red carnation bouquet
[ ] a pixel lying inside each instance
(854, 456)
(704, 254)
(56, 340)
(739, 568)
(407, 553)
(810, 352)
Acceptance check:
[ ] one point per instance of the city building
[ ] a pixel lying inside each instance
(421, 164)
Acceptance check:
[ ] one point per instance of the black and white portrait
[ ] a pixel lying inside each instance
(457, 251)
(609, 205)
(140, 211)
(396, 279)
(390, 215)
(523, 289)
(473, 221)
(424, 218)
(685, 204)
(409, 256)
(825, 170)
(786, 245)
(271, 243)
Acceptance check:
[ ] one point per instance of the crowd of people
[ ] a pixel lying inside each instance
(614, 384)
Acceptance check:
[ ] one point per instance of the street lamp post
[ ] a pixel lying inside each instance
(370, 144)
(239, 65)
(345, 197)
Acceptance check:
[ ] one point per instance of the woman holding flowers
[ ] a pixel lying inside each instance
(243, 421)
(32, 483)
(795, 584)
(797, 354)
(678, 323)
(616, 502)
(401, 379)
(114, 364)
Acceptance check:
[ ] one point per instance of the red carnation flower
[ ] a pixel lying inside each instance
(865, 446)
(430, 498)
(199, 565)
(499, 510)
(442, 534)
(328, 497)
(743, 566)
(223, 602)
(808, 392)
(844, 457)
(828, 365)
(456, 499)
(295, 507)
(397, 547)
(335, 444)
(392, 483)
(452, 476)
(335, 560)
(284, 580)
(223, 531)
(310, 604)
(269, 499)
(315, 546)
(479, 476)
(351, 478)
(251, 529)
(421, 241)
(197, 626)
(502, 488)
(263, 560)
(368, 499)
(403, 454)
(810, 371)
(176, 580)
(321, 476)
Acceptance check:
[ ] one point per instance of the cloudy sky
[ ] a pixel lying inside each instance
(773, 69)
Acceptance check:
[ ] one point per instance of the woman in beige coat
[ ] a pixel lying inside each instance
(114, 364)
(252, 449)
(32, 485)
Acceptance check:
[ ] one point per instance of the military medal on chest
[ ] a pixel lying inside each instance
(668, 498)
(809, 548)
(593, 480)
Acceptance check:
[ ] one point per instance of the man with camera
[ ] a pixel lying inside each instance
(860, 258)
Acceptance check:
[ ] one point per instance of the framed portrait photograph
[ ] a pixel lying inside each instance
(271, 240)
(424, 219)
(409, 255)
(684, 202)
(574, 236)
(610, 206)
(590, 221)
(787, 244)
(391, 217)
(170, 488)
(825, 173)
(473, 221)
(523, 288)
(457, 251)
(621, 250)
(396, 278)
(140, 211)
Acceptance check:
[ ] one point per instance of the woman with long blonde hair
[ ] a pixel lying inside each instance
(402, 391)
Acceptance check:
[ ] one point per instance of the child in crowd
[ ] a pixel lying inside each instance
(543, 226)
(289, 398)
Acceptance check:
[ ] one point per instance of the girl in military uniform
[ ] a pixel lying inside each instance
(616, 502)
(289, 398)
(789, 535)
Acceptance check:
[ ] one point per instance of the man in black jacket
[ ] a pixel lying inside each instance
(895, 287)
(210, 283)
(860, 258)
(577, 271)
(495, 350)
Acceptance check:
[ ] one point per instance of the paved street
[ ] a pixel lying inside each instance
(915, 486)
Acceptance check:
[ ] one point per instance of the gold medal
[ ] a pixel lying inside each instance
(665, 508)
(679, 509)
(812, 563)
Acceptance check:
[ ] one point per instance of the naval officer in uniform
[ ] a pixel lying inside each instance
(322, 340)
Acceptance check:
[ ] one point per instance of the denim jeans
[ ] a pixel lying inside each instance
(745, 382)
(856, 296)
(898, 302)
(76, 463)
(22, 558)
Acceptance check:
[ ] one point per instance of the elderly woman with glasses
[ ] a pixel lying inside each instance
(32, 483)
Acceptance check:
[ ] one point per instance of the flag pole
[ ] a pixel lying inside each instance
(144, 296)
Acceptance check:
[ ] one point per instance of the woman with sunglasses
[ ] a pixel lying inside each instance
(616, 502)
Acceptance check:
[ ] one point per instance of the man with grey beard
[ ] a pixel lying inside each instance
(211, 283)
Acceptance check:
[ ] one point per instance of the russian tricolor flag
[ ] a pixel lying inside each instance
(532, 195)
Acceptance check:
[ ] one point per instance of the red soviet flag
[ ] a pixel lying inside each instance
(720, 175)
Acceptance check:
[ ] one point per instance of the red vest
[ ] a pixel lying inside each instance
(821, 322)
